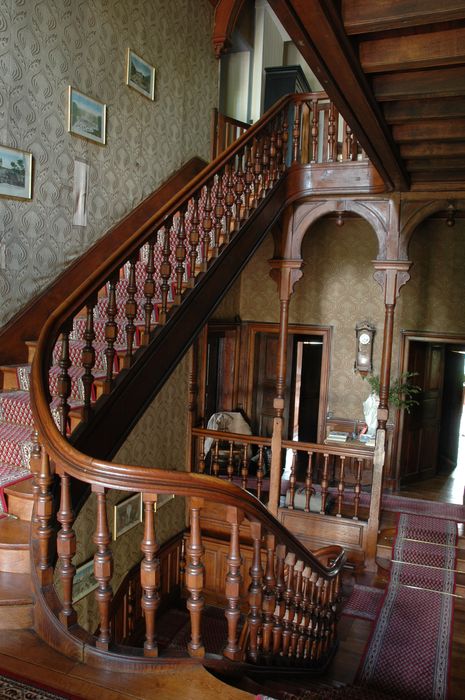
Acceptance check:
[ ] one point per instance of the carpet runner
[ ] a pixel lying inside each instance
(19, 688)
(364, 602)
(408, 653)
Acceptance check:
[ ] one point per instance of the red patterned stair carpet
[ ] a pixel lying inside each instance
(408, 654)
(18, 688)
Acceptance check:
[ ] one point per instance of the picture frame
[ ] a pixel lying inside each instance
(127, 514)
(15, 173)
(162, 499)
(140, 75)
(87, 117)
(84, 581)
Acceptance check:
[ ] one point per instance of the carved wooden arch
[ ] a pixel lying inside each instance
(226, 14)
(376, 213)
(414, 213)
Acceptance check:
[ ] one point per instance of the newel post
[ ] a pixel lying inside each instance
(285, 273)
(195, 575)
(391, 275)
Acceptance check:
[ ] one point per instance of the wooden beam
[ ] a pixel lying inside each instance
(402, 111)
(432, 150)
(226, 14)
(432, 165)
(363, 16)
(413, 51)
(317, 30)
(456, 176)
(432, 130)
(420, 84)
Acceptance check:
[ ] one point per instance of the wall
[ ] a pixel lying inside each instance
(46, 45)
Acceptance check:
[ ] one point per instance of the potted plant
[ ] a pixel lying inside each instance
(402, 392)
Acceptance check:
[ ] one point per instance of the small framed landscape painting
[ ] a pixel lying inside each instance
(84, 581)
(127, 514)
(86, 117)
(140, 75)
(15, 173)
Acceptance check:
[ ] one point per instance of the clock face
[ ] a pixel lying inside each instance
(364, 338)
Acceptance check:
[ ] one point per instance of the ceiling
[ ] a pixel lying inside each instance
(396, 71)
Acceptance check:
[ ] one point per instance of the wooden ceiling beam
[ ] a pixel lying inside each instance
(430, 130)
(364, 16)
(432, 165)
(316, 28)
(402, 111)
(432, 150)
(413, 51)
(444, 176)
(420, 84)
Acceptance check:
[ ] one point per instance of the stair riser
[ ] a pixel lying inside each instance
(16, 617)
(15, 561)
(21, 507)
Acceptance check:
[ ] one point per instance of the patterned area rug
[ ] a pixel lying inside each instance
(364, 602)
(18, 688)
(408, 653)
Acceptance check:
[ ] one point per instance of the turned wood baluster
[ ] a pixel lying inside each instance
(318, 615)
(207, 223)
(288, 597)
(165, 271)
(285, 141)
(66, 549)
(309, 490)
(35, 462)
(180, 255)
(44, 512)
(103, 567)
(278, 629)
(249, 179)
(273, 153)
(260, 472)
(194, 238)
(229, 200)
(298, 612)
(303, 626)
(269, 597)
(324, 484)
(218, 214)
(201, 468)
(315, 130)
(310, 646)
(292, 480)
(150, 576)
(131, 310)
(340, 487)
(257, 169)
(233, 584)
(280, 585)
(332, 133)
(195, 579)
(111, 332)
(357, 488)
(64, 380)
(296, 133)
(265, 166)
(239, 191)
(149, 289)
(230, 467)
(215, 458)
(255, 590)
(88, 358)
(279, 146)
(245, 466)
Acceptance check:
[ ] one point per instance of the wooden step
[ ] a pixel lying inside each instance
(20, 499)
(14, 546)
(9, 377)
(16, 601)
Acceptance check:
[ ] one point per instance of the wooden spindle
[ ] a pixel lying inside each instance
(340, 487)
(257, 170)
(88, 358)
(332, 135)
(255, 590)
(130, 310)
(207, 222)
(288, 595)
(324, 483)
(64, 380)
(245, 466)
(280, 584)
(215, 458)
(111, 332)
(265, 166)
(315, 130)
(285, 141)
(165, 271)
(296, 133)
(357, 488)
(298, 610)
(66, 549)
(233, 584)
(230, 467)
(218, 214)
(292, 480)
(201, 468)
(309, 490)
(180, 254)
(150, 576)
(249, 180)
(44, 511)
(103, 568)
(194, 239)
(279, 146)
(229, 200)
(260, 470)
(278, 629)
(269, 596)
(195, 579)
(273, 153)
(239, 192)
(149, 289)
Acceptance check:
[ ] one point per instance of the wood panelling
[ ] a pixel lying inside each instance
(361, 16)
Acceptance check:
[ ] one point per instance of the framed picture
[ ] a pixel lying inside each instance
(127, 514)
(162, 498)
(86, 117)
(15, 173)
(84, 581)
(140, 75)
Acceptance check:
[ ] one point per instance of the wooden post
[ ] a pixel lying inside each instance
(233, 585)
(66, 549)
(103, 568)
(150, 576)
(195, 574)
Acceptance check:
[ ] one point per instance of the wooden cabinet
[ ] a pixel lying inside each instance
(282, 80)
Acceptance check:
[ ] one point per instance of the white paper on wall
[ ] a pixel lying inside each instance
(81, 179)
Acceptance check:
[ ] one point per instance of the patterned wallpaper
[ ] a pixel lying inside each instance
(46, 45)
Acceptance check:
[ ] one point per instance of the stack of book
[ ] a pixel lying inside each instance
(337, 436)
(367, 440)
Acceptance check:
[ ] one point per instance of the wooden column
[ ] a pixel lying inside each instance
(285, 273)
(391, 275)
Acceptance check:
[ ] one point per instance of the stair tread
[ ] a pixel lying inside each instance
(15, 589)
(14, 534)
(22, 489)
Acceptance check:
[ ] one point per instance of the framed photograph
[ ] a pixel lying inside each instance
(84, 581)
(127, 514)
(86, 117)
(15, 173)
(140, 75)
(162, 498)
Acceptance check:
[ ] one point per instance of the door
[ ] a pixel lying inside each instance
(264, 384)
(452, 405)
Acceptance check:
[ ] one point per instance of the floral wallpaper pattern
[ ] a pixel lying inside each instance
(46, 45)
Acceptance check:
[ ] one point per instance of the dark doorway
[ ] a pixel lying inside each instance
(306, 374)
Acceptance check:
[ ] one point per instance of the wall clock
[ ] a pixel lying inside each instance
(364, 333)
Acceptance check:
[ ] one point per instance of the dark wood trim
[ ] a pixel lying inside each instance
(27, 324)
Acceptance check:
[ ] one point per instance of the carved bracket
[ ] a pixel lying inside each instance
(391, 275)
(286, 274)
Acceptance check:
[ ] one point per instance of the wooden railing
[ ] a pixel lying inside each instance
(123, 304)
(224, 132)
